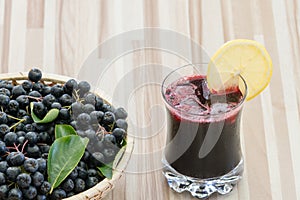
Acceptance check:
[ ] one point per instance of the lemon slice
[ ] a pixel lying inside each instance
(246, 58)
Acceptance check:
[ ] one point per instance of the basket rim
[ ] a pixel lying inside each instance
(106, 185)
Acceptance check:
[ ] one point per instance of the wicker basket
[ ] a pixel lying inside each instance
(105, 186)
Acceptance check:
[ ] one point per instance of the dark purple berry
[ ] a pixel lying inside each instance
(3, 118)
(17, 91)
(15, 158)
(30, 193)
(83, 87)
(31, 137)
(2, 178)
(27, 85)
(57, 90)
(37, 179)
(10, 138)
(79, 185)
(12, 173)
(58, 194)
(15, 194)
(31, 165)
(39, 109)
(68, 185)
(70, 86)
(13, 106)
(45, 187)
(35, 75)
(4, 100)
(23, 180)
(91, 182)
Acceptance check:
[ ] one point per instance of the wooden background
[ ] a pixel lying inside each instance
(59, 35)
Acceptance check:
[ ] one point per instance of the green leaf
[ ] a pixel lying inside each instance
(49, 117)
(62, 130)
(64, 155)
(123, 143)
(106, 170)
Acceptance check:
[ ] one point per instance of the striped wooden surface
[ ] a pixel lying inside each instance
(58, 37)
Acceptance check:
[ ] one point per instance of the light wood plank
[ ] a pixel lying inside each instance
(290, 96)
(17, 46)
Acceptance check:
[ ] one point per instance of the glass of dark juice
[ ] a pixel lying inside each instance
(203, 150)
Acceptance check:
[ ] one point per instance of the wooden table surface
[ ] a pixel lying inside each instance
(105, 42)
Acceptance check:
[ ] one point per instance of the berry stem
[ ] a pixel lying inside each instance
(12, 117)
(16, 124)
(35, 98)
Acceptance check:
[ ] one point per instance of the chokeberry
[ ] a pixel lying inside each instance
(5, 91)
(13, 106)
(57, 90)
(15, 158)
(46, 90)
(88, 108)
(119, 134)
(17, 91)
(4, 191)
(70, 86)
(109, 140)
(37, 179)
(45, 187)
(98, 103)
(83, 87)
(15, 194)
(121, 113)
(121, 123)
(58, 194)
(23, 101)
(3, 118)
(23, 180)
(35, 75)
(3, 130)
(35, 94)
(91, 182)
(56, 105)
(108, 118)
(30, 192)
(109, 154)
(48, 100)
(44, 137)
(29, 128)
(64, 114)
(96, 116)
(79, 185)
(3, 166)
(82, 173)
(10, 138)
(2, 178)
(90, 98)
(33, 151)
(83, 119)
(31, 165)
(38, 86)
(41, 197)
(106, 107)
(12, 173)
(39, 109)
(68, 185)
(42, 165)
(97, 158)
(66, 100)
(74, 174)
(4, 100)
(92, 172)
(31, 137)
(27, 85)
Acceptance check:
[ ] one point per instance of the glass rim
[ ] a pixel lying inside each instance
(238, 105)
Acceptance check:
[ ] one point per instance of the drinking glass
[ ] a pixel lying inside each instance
(203, 151)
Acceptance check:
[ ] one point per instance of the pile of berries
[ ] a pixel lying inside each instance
(24, 144)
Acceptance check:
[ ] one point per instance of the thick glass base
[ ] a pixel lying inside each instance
(202, 188)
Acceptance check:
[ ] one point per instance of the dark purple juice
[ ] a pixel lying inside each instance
(204, 138)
